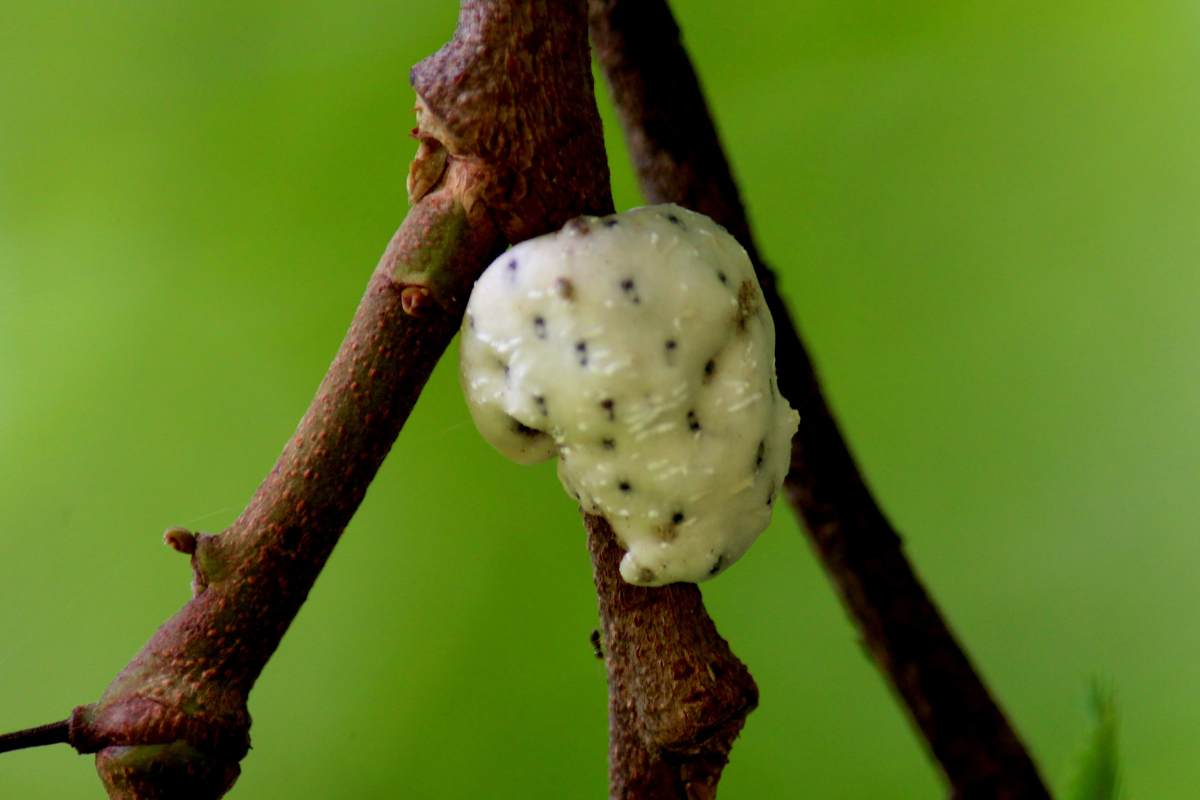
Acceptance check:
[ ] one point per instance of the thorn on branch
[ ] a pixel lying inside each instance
(54, 733)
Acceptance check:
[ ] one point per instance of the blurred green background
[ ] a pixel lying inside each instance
(986, 216)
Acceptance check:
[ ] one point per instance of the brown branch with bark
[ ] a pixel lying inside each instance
(174, 723)
(678, 158)
(677, 695)
(511, 146)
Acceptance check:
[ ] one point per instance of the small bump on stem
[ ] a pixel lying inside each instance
(181, 540)
(414, 300)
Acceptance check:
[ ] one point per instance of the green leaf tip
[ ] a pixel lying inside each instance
(1098, 774)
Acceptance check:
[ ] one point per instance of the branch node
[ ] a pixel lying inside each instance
(427, 168)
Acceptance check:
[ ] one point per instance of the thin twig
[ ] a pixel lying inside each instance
(54, 733)
(678, 157)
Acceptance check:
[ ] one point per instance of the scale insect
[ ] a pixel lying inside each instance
(638, 349)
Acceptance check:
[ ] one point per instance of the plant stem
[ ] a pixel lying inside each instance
(677, 695)
(511, 147)
(54, 733)
(493, 103)
(678, 157)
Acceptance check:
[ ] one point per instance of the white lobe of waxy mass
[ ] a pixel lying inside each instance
(638, 349)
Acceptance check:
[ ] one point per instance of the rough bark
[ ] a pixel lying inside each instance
(678, 158)
(190, 682)
(677, 695)
(512, 96)
(511, 147)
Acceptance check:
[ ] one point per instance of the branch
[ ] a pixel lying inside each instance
(54, 733)
(511, 146)
(678, 158)
(677, 695)
(179, 708)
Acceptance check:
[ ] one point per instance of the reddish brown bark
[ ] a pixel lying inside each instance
(508, 94)
(190, 682)
(511, 147)
(677, 696)
(678, 158)
(659, 661)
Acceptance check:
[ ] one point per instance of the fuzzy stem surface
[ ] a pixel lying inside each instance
(190, 682)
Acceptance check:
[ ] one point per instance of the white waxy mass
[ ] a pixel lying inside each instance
(639, 350)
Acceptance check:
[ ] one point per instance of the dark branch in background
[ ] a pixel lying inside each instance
(678, 158)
